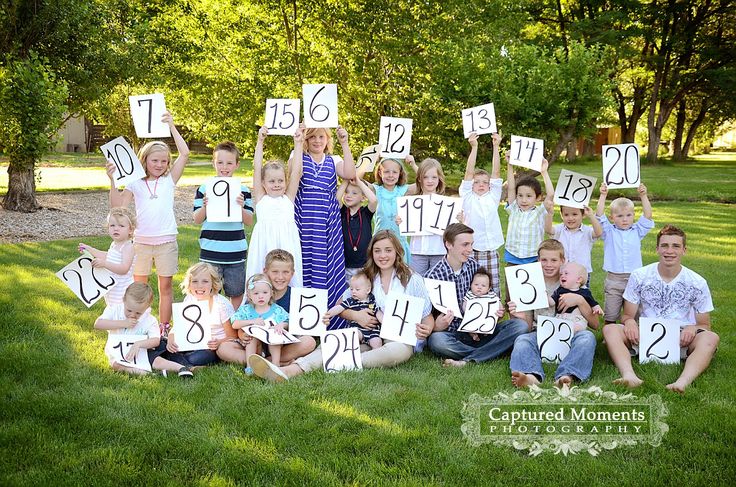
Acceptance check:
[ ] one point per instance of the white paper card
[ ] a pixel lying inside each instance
(443, 295)
(87, 283)
(527, 152)
(320, 105)
(282, 115)
(411, 210)
(368, 158)
(118, 345)
(526, 286)
(554, 338)
(147, 111)
(480, 316)
(222, 204)
(268, 334)
(306, 309)
(394, 137)
(574, 189)
(621, 166)
(480, 119)
(400, 318)
(341, 350)
(192, 325)
(659, 341)
(127, 166)
(443, 211)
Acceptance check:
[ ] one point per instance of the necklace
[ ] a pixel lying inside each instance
(350, 233)
(153, 194)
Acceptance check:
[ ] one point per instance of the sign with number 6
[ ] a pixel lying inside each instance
(320, 105)
(127, 166)
(526, 286)
(574, 189)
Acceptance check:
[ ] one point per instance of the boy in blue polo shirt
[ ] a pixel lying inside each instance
(223, 244)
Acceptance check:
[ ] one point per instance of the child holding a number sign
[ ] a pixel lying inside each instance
(621, 246)
(481, 195)
(223, 244)
(357, 221)
(526, 219)
(426, 250)
(202, 283)
(390, 184)
(259, 308)
(119, 257)
(155, 236)
(274, 197)
(576, 238)
(318, 213)
(133, 317)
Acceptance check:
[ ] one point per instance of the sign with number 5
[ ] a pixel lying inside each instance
(526, 286)
(306, 309)
(320, 105)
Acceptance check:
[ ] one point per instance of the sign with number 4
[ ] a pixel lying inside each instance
(127, 166)
(554, 338)
(86, 282)
(341, 350)
(192, 325)
(400, 317)
(222, 204)
(526, 286)
(147, 111)
(320, 105)
(574, 189)
(306, 309)
(659, 341)
(527, 152)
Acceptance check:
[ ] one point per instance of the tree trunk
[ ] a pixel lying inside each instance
(565, 138)
(679, 130)
(21, 194)
(693, 130)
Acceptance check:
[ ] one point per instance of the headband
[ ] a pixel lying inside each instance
(252, 283)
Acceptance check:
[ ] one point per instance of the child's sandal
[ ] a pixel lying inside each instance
(185, 372)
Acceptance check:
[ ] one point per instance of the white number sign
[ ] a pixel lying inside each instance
(394, 137)
(127, 166)
(400, 318)
(147, 111)
(480, 316)
(554, 338)
(526, 286)
(307, 307)
(411, 210)
(282, 115)
(86, 282)
(574, 189)
(442, 212)
(368, 158)
(621, 166)
(443, 295)
(527, 152)
(659, 341)
(341, 350)
(118, 346)
(192, 325)
(267, 334)
(480, 119)
(320, 105)
(222, 195)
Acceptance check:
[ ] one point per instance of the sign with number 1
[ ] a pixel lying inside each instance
(147, 111)
(526, 286)
(320, 105)
(443, 295)
(127, 166)
(192, 325)
(574, 189)
(222, 204)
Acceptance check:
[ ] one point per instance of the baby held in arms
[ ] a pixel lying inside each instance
(573, 276)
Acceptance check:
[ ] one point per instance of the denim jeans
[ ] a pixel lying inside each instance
(578, 363)
(460, 346)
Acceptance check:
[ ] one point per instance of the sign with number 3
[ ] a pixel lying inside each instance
(526, 286)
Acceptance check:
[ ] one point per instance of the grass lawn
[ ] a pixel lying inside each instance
(67, 419)
(708, 178)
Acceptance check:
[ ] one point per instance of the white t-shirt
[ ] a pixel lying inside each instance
(155, 215)
(481, 214)
(578, 244)
(680, 299)
(222, 308)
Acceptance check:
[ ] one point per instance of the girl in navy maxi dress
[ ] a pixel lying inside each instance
(317, 214)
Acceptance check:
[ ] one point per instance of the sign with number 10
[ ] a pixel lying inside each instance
(127, 166)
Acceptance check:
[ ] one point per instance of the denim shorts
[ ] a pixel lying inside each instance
(233, 278)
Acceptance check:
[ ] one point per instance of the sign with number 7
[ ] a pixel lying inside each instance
(147, 111)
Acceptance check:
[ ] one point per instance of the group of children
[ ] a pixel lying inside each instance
(310, 232)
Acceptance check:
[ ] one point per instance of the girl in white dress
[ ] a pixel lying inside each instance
(273, 198)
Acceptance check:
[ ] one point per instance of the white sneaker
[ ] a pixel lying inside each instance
(265, 369)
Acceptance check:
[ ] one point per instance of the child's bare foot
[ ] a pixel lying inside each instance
(630, 382)
(448, 362)
(521, 380)
(564, 382)
(677, 387)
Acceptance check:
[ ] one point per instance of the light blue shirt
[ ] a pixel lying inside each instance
(622, 248)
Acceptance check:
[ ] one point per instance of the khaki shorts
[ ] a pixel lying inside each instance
(165, 257)
(613, 290)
